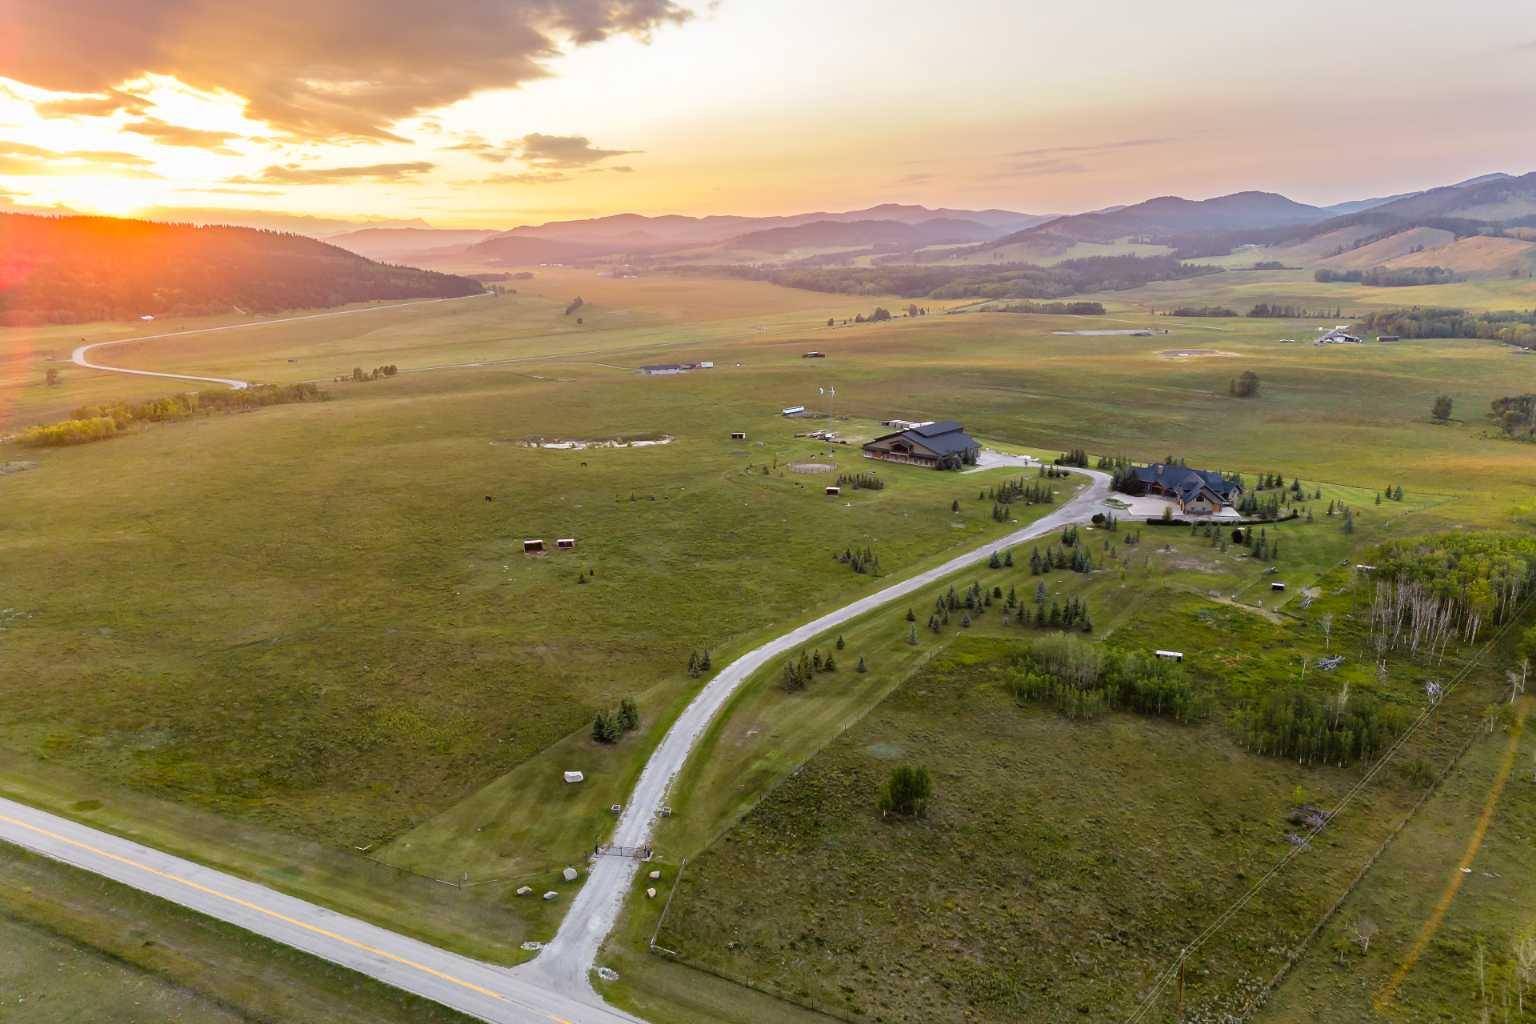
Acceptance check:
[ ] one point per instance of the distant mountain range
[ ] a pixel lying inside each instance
(636, 235)
(397, 245)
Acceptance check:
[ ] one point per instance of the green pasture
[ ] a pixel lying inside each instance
(302, 644)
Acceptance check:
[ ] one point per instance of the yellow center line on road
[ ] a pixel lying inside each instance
(247, 904)
(1383, 999)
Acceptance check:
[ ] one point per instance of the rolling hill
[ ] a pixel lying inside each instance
(1171, 216)
(636, 233)
(862, 233)
(74, 269)
(403, 245)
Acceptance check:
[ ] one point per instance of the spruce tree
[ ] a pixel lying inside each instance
(861, 666)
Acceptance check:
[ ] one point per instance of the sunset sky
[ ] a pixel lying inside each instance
(500, 112)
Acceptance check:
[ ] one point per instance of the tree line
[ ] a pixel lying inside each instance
(1005, 281)
(1388, 277)
(99, 422)
(1513, 326)
(1085, 680)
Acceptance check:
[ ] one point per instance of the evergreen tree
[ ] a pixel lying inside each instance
(629, 715)
(912, 636)
(861, 667)
(840, 643)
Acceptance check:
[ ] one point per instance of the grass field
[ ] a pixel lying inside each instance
(1064, 864)
(80, 948)
(302, 645)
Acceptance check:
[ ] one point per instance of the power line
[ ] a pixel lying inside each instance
(1170, 972)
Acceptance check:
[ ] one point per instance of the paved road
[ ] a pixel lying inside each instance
(554, 987)
(565, 961)
(481, 990)
(81, 355)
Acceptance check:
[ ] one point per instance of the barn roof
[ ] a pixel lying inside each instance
(946, 437)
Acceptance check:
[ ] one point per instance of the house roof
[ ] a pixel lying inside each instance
(1186, 482)
(936, 428)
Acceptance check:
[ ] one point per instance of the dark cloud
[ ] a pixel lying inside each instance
(564, 151)
(294, 174)
(318, 70)
(178, 135)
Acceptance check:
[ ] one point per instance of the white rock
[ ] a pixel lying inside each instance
(525, 890)
(570, 874)
(608, 974)
(650, 893)
(574, 776)
(655, 875)
(551, 895)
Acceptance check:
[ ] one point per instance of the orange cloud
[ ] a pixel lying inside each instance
(293, 174)
(317, 70)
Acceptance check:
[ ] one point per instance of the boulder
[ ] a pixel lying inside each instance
(574, 776)
(570, 874)
(650, 893)
(655, 875)
(525, 890)
(551, 895)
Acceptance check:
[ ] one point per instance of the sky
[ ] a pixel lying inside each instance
(493, 113)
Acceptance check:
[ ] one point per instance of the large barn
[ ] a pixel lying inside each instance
(1196, 490)
(939, 445)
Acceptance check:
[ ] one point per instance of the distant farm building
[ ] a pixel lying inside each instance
(940, 445)
(738, 435)
(1170, 655)
(834, 491)
(793, 410)
(1338, 336)
(565, 543)
(1194, 490)
(813, 355)
(669, 369)
(533, 547)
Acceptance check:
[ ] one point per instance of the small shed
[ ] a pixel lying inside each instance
(834, 491)
(1170, 655)
(565, 543)
(738, 435)
(533, 547)
(1277, 586)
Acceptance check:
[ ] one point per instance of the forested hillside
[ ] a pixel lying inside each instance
(74, 269)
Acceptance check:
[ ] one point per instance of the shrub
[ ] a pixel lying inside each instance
(906, 792)
(67, 432)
